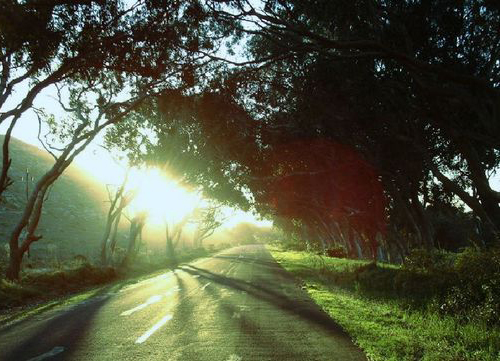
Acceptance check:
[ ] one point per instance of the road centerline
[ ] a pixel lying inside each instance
(153, 329)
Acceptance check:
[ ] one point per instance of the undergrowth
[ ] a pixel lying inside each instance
(439, 309)
(48, 283)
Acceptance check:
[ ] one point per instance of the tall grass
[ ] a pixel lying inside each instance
(389, 312)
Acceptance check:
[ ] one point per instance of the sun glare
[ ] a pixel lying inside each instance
(162, 199)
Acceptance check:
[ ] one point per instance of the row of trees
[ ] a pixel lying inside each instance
(345, 122)
(206, 218)
(102, 59)
(362, 123)
(412, 88)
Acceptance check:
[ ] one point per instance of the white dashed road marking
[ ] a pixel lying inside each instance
(153, 329)
(150, 301)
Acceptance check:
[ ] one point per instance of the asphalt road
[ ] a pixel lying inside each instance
(236, 306)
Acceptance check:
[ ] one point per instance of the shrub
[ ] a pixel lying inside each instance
(374, 279)
(14, 294)
(428, 261)
(476, 294)
(337, 252)
(223, 245)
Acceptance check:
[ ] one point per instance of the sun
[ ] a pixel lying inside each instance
(161, 198)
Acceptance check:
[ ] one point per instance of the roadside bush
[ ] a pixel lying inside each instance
(337, 252)
(192, 253)
(476, 294)
(388, 327)
(73, 278)
(422, 288)
(465, 285)
(4, 258)
(37, 286)
(221, 246)
(13, 294)
(374, 279)
(296, 244)
(429, 261)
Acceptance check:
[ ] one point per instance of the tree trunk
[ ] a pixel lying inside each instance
(425, 226)
(371, 240)
(487, 208)
(489, 198)
(402, 203)
(5, 180)
(171, 259)
(353, 251)
(114, 236)
(401, 249)
(197, 239)
(135, 229)
(489, 201)
(490, 229)
(170, 247)
(14, 267)
(104, 245)
(30, 218)
(107, 231)
(357, 238)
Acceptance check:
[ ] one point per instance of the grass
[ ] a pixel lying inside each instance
(385, 325)
(46, 286)
(29, 310)
(41, 291)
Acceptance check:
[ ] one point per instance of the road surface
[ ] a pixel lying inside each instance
(239, 305)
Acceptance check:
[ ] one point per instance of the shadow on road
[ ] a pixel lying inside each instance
(64, 329)
(249, 260)
(256, 337)
(185, 327)
(303, 306)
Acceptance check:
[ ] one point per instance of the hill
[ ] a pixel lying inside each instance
(73, 217)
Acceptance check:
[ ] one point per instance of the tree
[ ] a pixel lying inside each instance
(136, 225)
(48, 43)
(208, 219)
(82, 131)
(173, 234)
(420, 78)
(117, 203)
(91, 62)
(392, 86)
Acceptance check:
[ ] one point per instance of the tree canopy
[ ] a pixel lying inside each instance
(368, 114)
(345, 122)
(104, 59)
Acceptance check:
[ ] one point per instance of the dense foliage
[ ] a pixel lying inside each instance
(370, 125)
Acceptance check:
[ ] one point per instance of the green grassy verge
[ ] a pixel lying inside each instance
(54, 284)
(385, 325)
(38, 292)
(27, 310)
